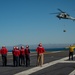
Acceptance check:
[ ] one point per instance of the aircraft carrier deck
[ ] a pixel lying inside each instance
(56, 63)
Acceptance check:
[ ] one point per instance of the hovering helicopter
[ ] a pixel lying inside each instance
(63, 15)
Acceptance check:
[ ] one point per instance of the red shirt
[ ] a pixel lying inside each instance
(0, 51)
(16, 52)
(22, 51)
(4, 50)
(13, 51)
(27, 51)
(40, 50)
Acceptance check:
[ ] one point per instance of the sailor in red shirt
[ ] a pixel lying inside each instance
(22, 55)
(0, 51)
(4, 55)
(16, 55)
(27, 54)
(14, 48)
(40, 54)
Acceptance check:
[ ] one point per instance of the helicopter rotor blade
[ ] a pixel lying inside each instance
(61, 10)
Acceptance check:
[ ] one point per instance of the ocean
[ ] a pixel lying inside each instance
(48, 50)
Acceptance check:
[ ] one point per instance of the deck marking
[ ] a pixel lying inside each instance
(72, 73)
(35, 69)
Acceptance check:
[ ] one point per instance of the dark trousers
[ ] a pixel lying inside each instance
(4, 59)
(71, 55)
(22, 58)
(27, 60)
(16, 60)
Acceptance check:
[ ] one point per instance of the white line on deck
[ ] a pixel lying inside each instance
(35, 69)
(72, 73)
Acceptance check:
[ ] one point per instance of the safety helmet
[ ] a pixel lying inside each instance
(27, 46)
(3, 46)
(40, 44)
(22, 46)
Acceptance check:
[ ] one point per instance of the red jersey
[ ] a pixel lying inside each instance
(27, 51)
(0, 51)
(40, 50)
(22, 51)
(13, 51)
(16, 52)
(4, 50)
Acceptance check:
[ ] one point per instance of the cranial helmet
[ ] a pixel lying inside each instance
(27, 46)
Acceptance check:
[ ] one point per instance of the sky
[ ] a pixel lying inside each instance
(30, 22)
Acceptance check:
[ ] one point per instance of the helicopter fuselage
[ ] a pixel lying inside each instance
(63, 15)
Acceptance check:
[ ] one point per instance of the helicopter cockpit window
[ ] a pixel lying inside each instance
(65, 15)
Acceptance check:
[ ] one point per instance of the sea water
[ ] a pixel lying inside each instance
(48, 50)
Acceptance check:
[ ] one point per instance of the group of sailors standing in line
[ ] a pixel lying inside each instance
(22, 56)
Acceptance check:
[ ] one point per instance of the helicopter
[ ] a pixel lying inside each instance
(63, 15)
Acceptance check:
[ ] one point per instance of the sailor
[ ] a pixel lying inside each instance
(40, 54)
(14, 48)
(17, 54)
(4, 55)
(27, 54)
(71, 51)
(22, 55)
(0, 51)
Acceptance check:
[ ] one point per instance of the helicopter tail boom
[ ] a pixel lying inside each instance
(72, 18)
